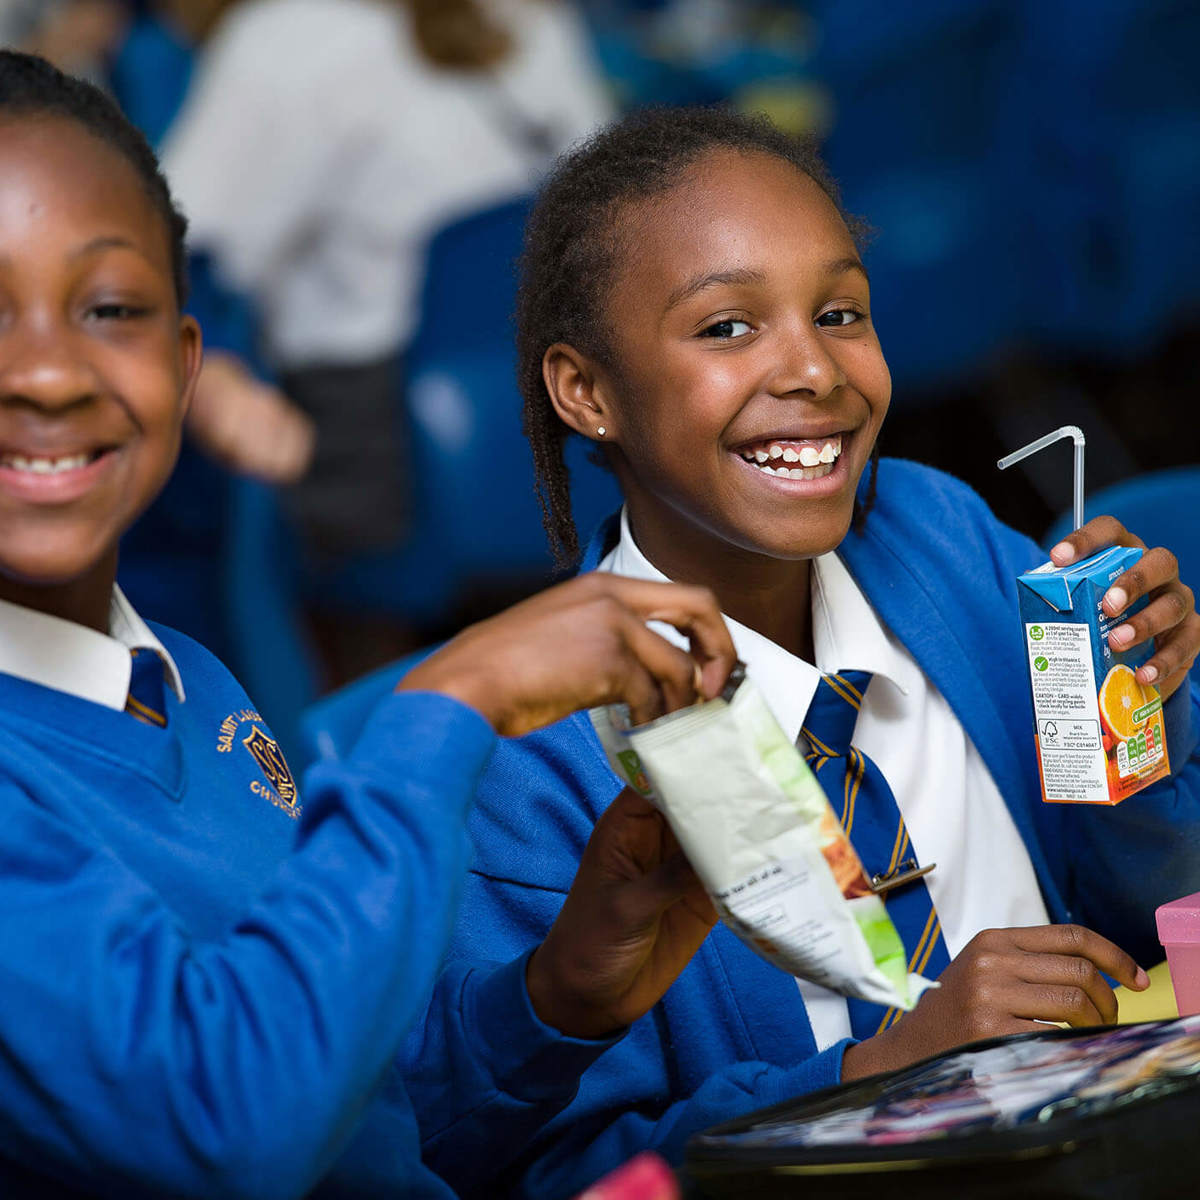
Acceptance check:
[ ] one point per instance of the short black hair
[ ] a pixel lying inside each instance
(574, 245)
(32, 87)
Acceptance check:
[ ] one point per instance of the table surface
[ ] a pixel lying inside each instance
(1155, 1003)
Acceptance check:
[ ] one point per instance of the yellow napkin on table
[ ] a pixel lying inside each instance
(1154, 1004)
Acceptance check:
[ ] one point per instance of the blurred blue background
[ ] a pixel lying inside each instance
(1031, 173)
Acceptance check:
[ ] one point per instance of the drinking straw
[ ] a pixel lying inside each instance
(1076, 435)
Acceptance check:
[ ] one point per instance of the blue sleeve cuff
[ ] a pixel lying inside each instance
(836, 1053)
(823, 1070)
(1179, 719)
(527, 1058)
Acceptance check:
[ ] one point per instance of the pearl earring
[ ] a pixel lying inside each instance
(600, 431)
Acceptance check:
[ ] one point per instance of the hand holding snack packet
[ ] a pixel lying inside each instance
(635, 915)
(758, 829)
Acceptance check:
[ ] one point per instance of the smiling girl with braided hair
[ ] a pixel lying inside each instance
(694, 302)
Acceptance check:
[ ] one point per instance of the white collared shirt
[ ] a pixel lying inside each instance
(72, 658)
(955, 815)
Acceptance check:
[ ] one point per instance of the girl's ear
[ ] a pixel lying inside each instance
(191, 357)
(577, 392)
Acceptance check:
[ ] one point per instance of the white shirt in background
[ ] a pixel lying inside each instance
(317, 151)
(954, 812)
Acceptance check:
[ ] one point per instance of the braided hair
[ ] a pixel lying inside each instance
(575, 242)
(31, 87)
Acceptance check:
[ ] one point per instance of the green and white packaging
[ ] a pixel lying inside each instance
(760, 833)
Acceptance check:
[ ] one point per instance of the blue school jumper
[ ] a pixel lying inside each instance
(732, 1033)
(204, 969)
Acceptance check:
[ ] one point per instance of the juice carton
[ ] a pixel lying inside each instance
(1099, 732)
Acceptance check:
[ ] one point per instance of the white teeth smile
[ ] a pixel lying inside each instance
(815, 459)
(45, 466)
(800, 472)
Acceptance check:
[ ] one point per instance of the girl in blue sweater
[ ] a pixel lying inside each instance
(206, 969)
(694, 302)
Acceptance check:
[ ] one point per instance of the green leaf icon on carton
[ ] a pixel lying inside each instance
(633, 771)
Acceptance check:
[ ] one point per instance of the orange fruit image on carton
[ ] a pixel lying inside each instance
(1099, 733)
(1121, 698)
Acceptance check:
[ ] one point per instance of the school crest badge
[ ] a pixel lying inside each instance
(271, 762)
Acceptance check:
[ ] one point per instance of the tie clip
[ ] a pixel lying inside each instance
(906, 872)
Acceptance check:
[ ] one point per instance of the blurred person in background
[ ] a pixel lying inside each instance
(320, 145)
(76, 35)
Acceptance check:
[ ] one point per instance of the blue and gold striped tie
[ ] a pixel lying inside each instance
(864, 803)
(146, 700)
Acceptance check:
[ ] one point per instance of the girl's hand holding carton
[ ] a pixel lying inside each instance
(1100, 729)
(1086, 616)
(1170, 617)
(1098, 684)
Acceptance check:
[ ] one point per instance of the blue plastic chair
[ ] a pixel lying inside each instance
(469, 290)
(1153, 92)
(475, 468)
(918, 100)
(476, 520)
(150, 75)
(1161, 507)
(1104, 126)
(329, 728)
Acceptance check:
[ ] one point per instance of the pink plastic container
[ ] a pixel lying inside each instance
(1179, 932)
(646, 1177)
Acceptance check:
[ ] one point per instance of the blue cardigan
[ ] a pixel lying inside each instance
(205, 971)
(732, 1033)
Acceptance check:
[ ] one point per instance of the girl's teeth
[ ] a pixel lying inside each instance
(806, 456)
(818, 472)
(45, 466)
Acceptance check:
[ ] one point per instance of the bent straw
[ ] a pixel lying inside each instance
(1076, 435)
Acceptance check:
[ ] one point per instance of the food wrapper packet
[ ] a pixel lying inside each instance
(760, 833)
